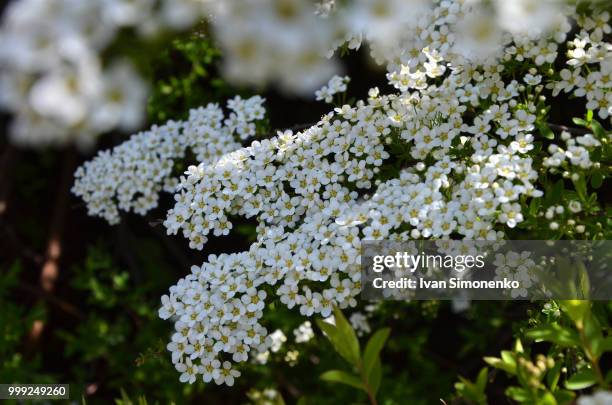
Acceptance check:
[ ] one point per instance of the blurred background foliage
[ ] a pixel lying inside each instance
(101, 331)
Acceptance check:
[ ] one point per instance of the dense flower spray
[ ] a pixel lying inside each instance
(453, 152)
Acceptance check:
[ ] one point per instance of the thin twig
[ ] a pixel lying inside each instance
(63, 305)
(572, 130)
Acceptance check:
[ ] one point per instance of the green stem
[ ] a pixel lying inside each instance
(594, 363)
(371, 395)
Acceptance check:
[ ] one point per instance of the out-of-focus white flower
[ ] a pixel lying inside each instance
(381, 20)
(123, 95)
(478, 35)
(533, 17)
(277, 338)
(272, 40)
(359, 322)
(304, 332)
(599, 398)
(53, 78)
(325, 7)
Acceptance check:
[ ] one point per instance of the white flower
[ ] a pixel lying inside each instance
(335, 85)
(359, 322)
(304, 332)
(575, 206)
(278, 338)
(599, 398)
(188, 371)
(227, 374)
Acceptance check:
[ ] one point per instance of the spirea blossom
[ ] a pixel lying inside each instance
(304, 332)
(450, 153)
(336, 84)
(132, 175)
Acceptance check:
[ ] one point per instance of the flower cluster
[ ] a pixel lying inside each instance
(589, 65)
(576, 152)
(56, 84)
(53, 78)
(452, 153)
(131, 176)
(304, 332)
(464, 147)
(335, 85)
(288, 39)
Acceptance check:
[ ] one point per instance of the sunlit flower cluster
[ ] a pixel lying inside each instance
(132, 175)
(588, 71)
(451, 153)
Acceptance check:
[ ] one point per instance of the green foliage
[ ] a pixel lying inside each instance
(474, 392)
(185, 77)
(15, 323)
(576, 338)
(367, 369)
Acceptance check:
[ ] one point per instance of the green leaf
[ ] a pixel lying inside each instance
(500, 364)
(518, 346)
(581, 187)
(597, 180)
(481, 380)
(556, 192)
(372, 350)
(606, 345)
(342, 377)
(534, 205)
(555, 333)
(581, 122)
(469, 391)
(589, 115)
(508, 357)
(598, 130)
(518, 394)
(375, 377)
(335, 337)
(575, 309)
(349, 338)
(581, 380)
(564, 397)
(545, 131)
(547, 399)
(594, 337)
